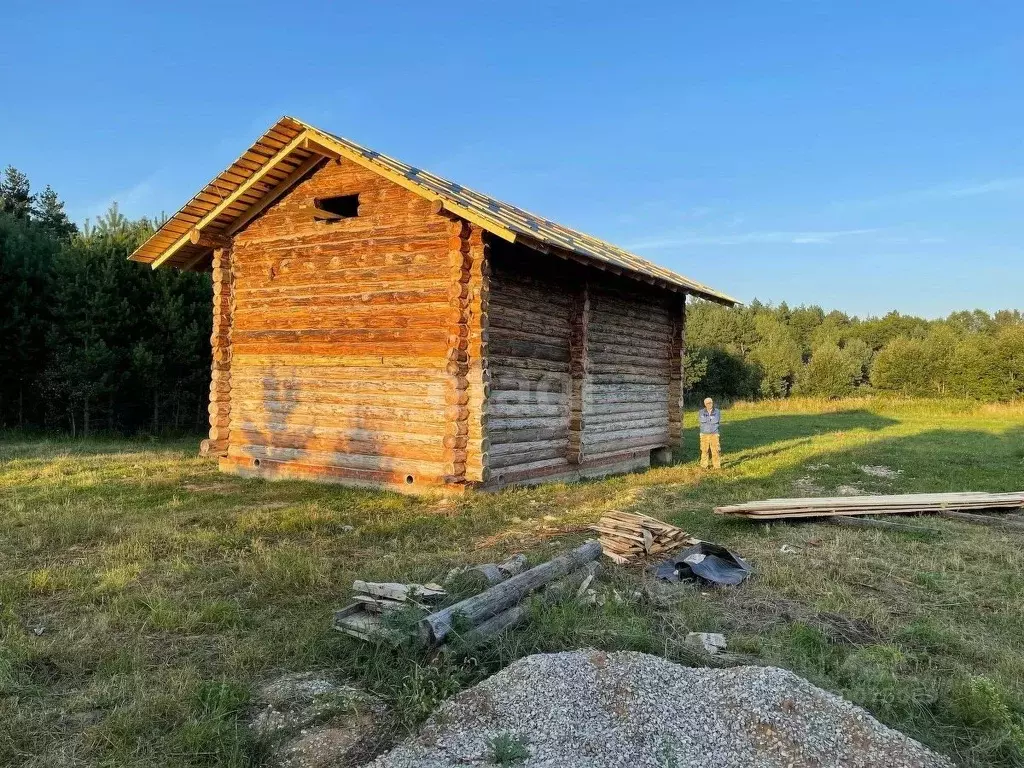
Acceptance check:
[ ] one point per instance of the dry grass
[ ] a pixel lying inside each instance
(142, 594)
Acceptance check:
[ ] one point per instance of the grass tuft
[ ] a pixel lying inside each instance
(508, 749)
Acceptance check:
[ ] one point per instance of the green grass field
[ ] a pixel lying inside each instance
(142, 593)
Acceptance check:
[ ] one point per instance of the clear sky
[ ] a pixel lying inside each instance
(864, 156)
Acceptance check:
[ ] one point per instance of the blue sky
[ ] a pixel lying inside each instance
(865, 156)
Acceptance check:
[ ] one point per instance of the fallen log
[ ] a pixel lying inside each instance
(556, 592)
(489, 574)
(989, 520)
(569, 587)
(493, 626)
(436, 627)
(884, 525)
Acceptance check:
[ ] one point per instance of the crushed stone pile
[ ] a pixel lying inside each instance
(587, 708)
(308, 720)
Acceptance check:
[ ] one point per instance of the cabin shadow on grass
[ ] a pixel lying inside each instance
(754, 432)
(923, 631)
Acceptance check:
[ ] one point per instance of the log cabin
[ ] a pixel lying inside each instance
(375, 324)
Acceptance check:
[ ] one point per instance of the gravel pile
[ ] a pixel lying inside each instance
(588, 708)
(307, 720)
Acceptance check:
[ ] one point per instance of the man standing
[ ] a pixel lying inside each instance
(710, 442)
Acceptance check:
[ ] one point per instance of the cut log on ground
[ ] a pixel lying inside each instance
(474, 610)
(995, 522)
(566, 587)
(489, 574)
(357, 621)
(884, 525)
(380, 605)
(902, 504)
(626, 536)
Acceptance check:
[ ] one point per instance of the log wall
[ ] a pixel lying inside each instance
(478, 375)
(220, 342)
(586, 369)
(626, 397)
(676, 371)
(528, 346)
(468, 379)
(343, 338)
(404, 347)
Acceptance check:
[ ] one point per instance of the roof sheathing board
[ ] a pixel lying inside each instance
(501, 218)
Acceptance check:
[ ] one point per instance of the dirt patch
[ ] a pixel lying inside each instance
(327, 745)
(850, 490)
(878, 470)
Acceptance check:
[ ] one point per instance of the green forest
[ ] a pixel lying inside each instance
(763, 351)
(95, 343)
(91, 341)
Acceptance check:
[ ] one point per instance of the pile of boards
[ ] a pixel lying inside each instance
(376, 600)
(427, 620)
(905, 504)
(626, 536)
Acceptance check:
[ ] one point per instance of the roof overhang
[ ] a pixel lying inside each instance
(291, 149)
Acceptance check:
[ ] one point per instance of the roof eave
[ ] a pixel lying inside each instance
(677, 286)
(296, 138)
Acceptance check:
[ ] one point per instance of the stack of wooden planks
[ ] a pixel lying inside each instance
(374, 600)
(907, 503)
(626, 536)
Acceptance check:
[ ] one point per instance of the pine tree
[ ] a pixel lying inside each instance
(16, 196)
(49, 213)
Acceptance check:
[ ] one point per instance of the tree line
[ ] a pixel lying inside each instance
(91, 341)
(760, 350)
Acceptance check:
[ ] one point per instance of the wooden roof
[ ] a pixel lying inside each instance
(291, 148)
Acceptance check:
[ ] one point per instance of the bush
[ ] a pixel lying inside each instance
(831, 373)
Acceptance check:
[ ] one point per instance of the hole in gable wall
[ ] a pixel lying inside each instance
(336, 208)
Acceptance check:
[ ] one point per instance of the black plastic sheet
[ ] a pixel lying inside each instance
(705, 562)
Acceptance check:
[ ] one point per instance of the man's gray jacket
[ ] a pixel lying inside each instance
(709, 421)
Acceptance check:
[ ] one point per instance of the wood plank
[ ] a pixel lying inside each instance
(241, 190)
(274, 195)
(772, 509)
(399, 592)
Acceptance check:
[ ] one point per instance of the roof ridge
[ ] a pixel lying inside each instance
(501, 218)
